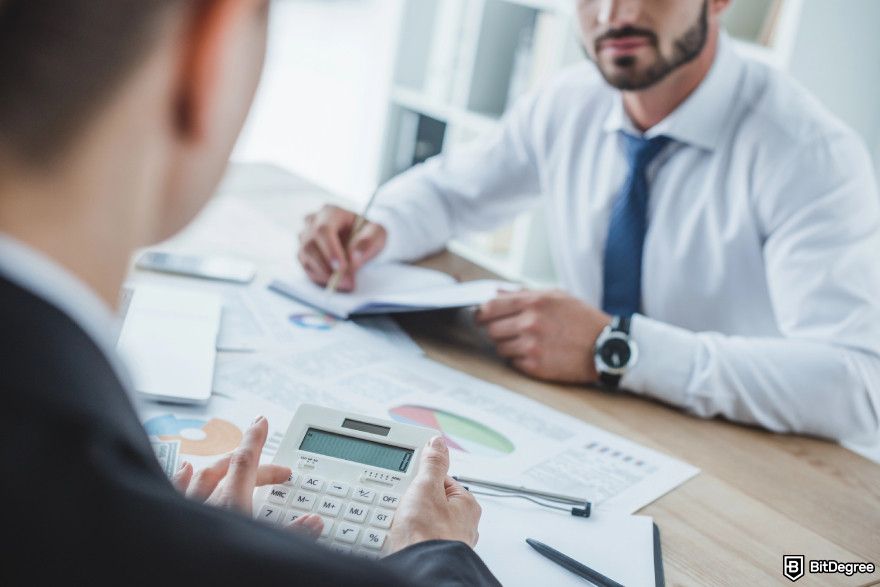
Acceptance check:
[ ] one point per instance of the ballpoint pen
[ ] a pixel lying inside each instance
(358, 224)
(579, 569)
(580, 506)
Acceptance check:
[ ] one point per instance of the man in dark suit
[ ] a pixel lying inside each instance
(116, 120)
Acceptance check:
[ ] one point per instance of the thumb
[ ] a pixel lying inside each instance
(368, 243)
(435, 462)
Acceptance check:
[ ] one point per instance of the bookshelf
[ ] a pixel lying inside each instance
(461, 63)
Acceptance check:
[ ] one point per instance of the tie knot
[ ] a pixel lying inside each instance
(641, 151)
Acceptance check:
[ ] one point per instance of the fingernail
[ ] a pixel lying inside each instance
(335, 264)
(182, 465)
(438, 442)
(257, 420)
(357, 256)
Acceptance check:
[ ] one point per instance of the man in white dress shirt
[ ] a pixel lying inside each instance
(716, 231)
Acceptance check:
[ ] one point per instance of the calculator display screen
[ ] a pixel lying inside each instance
(367, 452)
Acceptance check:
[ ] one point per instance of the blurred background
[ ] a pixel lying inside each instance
(357, 91)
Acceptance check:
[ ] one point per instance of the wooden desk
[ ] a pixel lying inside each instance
(759, 496)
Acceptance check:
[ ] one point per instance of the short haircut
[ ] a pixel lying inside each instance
(60, 61)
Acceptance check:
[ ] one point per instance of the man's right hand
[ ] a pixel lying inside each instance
(323, 248)
(435, 507)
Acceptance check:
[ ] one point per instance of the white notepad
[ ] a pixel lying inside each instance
(169, 342)
(390, 288)
(620, 547)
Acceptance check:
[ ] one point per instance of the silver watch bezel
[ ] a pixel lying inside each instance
(608, 333)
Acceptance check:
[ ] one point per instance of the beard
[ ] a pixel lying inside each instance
(626, 74)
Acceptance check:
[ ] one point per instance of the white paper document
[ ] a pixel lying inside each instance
(618, 546)
(387, 329)
(387, 288)
(255, 318)
(493, 433)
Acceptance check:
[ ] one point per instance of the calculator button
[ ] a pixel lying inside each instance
(363, 494)
(329, 506)
(338, 489)
(341, 548)
(389, 500)
(347, 532)
(291, 480)
(355, 512)
(291, 516)
(312, 483)
(279, 494)
(303, 501)
(328, 525)
(270, 514)
(373, 539)
(381, 518)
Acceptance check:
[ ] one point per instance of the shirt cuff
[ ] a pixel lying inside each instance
(394, 249)
(665, 362)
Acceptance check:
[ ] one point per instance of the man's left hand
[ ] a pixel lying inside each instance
(546, 334)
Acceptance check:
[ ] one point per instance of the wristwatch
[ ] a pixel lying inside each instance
(615, 352)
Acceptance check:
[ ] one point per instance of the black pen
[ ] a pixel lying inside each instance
(579, 569)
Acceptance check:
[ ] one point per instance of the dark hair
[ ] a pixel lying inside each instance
(60, 60)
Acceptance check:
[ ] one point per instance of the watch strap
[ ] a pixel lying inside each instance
(609, 380)
(618, 324)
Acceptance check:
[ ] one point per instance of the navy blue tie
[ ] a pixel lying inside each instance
(622, 294)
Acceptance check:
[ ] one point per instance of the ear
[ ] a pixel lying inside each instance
(212, 23)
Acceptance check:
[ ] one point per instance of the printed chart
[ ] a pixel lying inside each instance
(198, 437)
(312, 320)
(461, 433)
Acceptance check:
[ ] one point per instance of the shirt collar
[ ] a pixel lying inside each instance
(700, 119)
(49, 281)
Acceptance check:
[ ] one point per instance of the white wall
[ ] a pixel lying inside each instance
(837, 56)
(321, 108)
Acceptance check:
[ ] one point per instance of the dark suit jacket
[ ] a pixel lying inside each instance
(85, 501)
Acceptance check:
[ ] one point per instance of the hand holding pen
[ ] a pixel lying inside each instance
(338, 242)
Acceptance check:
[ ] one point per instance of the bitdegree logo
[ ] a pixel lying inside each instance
(793, 567)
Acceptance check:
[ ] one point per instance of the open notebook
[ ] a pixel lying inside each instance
(389, 288)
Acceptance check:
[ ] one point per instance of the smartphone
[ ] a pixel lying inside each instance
(217, 268)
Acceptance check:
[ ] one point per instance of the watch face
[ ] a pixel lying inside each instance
(615, 353)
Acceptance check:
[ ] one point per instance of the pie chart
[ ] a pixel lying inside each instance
(313, 321)
(461, 433)
(204, 438)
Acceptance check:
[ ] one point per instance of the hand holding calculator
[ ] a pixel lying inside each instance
(350, 470)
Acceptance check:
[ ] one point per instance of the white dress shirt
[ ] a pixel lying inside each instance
(43, 277)
(761, 268)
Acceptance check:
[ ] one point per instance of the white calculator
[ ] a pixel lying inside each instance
(351, 470)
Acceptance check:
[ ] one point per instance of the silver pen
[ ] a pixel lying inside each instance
(584, 504)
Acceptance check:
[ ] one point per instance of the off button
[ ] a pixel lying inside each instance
(389, 500)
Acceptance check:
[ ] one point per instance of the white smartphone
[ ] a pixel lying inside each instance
(217, 268)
